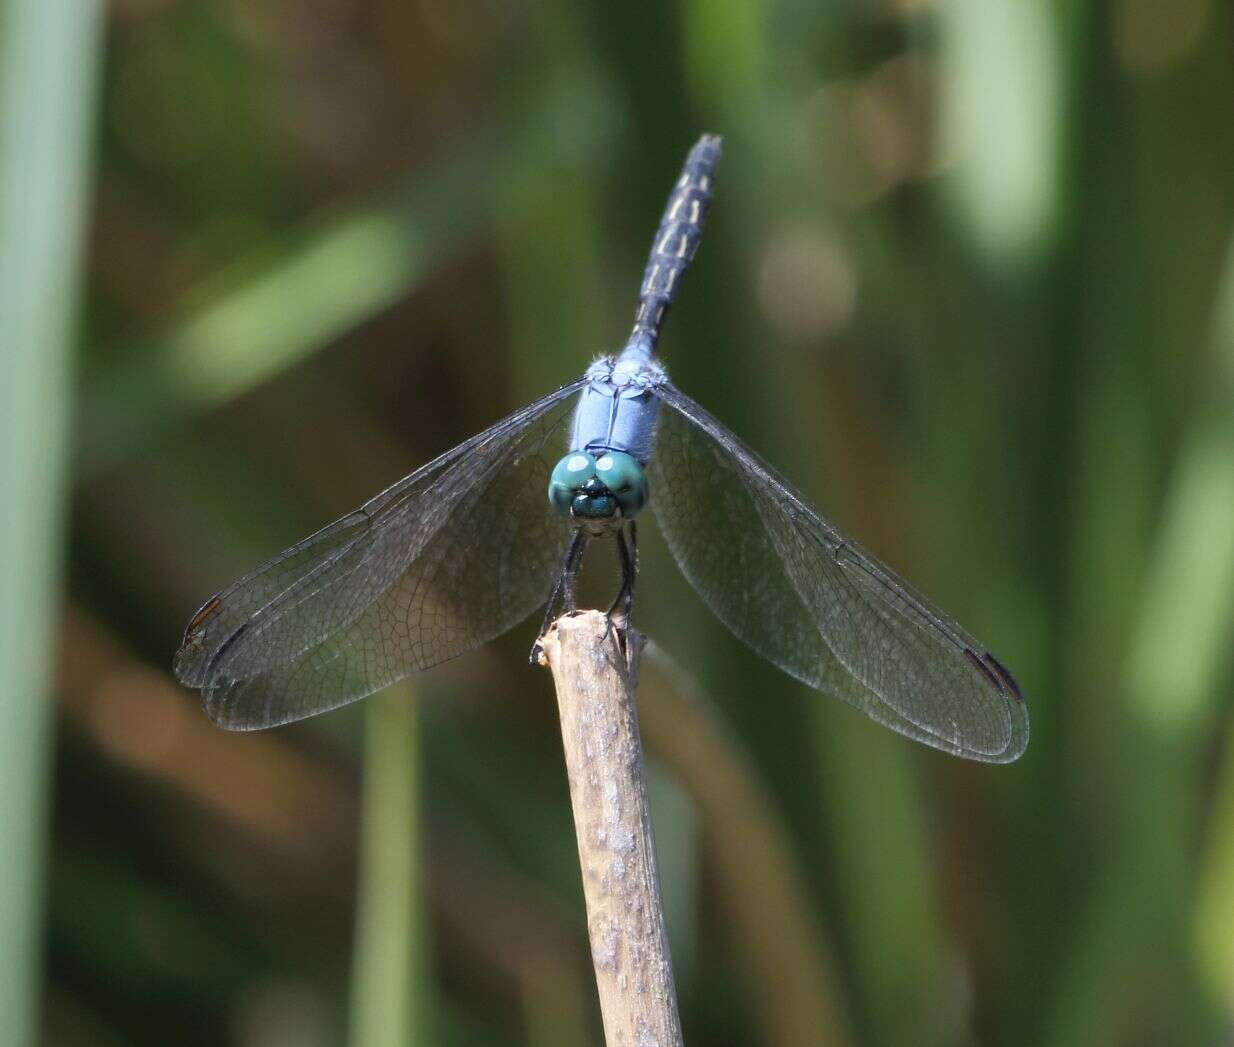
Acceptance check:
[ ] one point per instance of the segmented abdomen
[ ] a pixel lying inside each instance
(677, 239)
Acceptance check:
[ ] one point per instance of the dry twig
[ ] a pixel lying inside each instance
(595, 684)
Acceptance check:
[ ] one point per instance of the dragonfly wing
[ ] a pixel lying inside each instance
(449, 557)
(792, 586)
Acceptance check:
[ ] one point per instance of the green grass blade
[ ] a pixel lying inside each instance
(1196, 575)
(388, 999)
(1002, 96)
(48, 52)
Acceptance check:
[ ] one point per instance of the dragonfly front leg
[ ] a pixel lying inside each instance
(563, 590)
(569, 573)
(627, 557)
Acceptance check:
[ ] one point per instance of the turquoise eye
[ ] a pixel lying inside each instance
(569, 476)
(624, 477)
(586, 488)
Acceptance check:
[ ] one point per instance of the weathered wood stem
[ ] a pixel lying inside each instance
(595, 684)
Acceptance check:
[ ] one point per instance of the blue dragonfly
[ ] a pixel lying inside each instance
(468, 546)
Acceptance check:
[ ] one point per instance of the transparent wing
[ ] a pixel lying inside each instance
(449, 557)
(793, 587)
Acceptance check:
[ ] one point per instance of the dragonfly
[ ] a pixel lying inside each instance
(468, 546)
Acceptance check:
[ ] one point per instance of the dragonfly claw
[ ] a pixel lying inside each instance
(537, 653)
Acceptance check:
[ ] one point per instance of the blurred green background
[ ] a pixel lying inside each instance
(968, 281)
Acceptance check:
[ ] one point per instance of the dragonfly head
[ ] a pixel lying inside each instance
(612, 487)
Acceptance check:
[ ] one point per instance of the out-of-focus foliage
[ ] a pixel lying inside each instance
(48, 60)
(969, 281)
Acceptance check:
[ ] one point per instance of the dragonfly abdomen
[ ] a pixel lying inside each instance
(677, 239)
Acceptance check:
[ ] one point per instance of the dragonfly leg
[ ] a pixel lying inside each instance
(627, 557)
(633, 556)
(569, 572)
(563, 590)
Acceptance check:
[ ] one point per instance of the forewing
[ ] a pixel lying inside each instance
(793, 587)
(451, 556)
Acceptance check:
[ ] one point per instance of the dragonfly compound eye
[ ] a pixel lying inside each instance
(624, 477)
(570, 476)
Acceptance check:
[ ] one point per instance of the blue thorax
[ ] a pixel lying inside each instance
(617, 408)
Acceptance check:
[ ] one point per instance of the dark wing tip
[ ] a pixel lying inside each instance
(995, 673)
(1004, 674)
(203, 612)
(189, 662)
(1004, 684)
(197, 661)
(979, 664)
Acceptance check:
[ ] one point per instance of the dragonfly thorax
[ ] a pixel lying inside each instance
(598, 493)
(617, 408)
